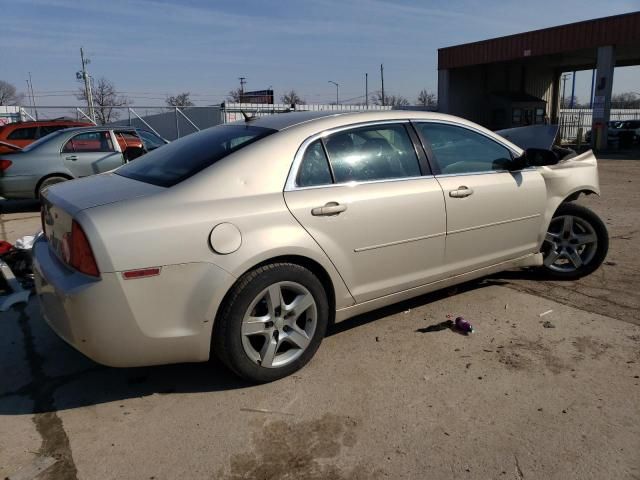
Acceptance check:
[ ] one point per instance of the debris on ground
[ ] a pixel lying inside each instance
(545, 313)
(463, 325)
(264, 410)
(611, 264)
(548, 324)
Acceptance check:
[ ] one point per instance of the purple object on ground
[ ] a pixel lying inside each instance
(463, 325)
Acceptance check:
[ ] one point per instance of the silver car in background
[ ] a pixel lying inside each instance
(248, 239)
(70, 153)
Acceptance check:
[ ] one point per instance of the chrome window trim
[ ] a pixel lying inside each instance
(290, 184)
(484, 172)
(366, 182)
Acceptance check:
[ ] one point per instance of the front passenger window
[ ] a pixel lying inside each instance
(458, 150)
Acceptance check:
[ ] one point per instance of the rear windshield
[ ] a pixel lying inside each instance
(183, 158)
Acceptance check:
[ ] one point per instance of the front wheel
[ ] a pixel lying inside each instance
(576, 243)
(272, 322)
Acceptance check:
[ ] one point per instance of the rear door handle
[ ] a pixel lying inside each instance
(72, 157)
(331, 208)
(461, 192)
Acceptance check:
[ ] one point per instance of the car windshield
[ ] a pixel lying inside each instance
(185, 157)
(41, 140)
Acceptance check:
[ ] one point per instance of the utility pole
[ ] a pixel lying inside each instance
(366, 90)
(382, 79)
(33, 96)
(564, 82)
(29, 97)
(84, 75)
(243, 81)
(337, 91)
(573, 90)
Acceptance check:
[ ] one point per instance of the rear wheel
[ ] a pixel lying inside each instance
(576, 242)
(272, 322)
(47, 182)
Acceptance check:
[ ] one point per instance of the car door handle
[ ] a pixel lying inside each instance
(461, 192)
(331, 208)
(72, 157)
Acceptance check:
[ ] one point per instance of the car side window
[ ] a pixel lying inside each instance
(26, 133)
(314, 168)
(378, 152)
(458, 150)
(90, 142)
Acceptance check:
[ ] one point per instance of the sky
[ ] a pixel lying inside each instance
(153, 48)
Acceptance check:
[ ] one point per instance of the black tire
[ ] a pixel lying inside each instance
(227, 339)
(47, 182)
(584, 219)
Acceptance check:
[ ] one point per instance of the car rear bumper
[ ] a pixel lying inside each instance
(130, 323)
(22, 186)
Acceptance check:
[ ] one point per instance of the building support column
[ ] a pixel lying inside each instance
(553, 110)
(602, 97)
(443, 91)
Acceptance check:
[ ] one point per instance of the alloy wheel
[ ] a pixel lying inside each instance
(570, 243)
(279, 324)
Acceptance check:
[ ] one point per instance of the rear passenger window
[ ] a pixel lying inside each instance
(377, 152)
(314, 168)
(90, 142)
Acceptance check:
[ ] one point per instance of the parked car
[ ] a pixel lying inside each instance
(70, 153)
(21, 134)
(626, 132)
(248, 239)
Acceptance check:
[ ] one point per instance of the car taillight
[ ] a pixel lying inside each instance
(4, 164)
(77, 251)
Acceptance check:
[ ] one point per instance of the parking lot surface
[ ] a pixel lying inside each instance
(526, 396)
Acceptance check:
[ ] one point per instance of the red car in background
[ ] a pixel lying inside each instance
(22, 134)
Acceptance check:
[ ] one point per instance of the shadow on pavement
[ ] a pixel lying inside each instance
(43, 374)
(19, 206)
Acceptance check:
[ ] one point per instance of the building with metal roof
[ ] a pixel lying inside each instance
(515, 80)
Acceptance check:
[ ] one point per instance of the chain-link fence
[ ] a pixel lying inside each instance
(571, 120)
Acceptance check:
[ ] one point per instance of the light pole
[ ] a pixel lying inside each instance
(337, 91)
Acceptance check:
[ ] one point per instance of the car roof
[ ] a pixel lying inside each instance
(282, 121)
(102, 128)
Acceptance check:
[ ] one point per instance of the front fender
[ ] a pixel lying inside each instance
(565, 181)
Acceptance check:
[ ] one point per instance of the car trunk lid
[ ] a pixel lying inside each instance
(97, 190)
(62, 202)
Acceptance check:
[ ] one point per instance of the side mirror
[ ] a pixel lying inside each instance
(538, 157)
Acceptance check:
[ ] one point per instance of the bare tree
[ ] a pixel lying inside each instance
(105, 99)
(566, 103)
(9, 95)
(426, 98)
(235, 95)
(181, 100)
(625, 100)
(292, 98)
(392, 100)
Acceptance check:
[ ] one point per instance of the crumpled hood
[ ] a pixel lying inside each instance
(88, 192)
(533, 136)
